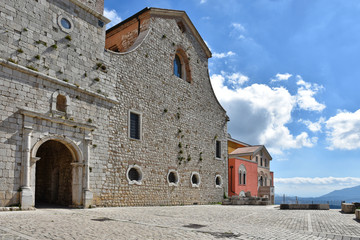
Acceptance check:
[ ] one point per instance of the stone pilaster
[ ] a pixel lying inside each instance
(27, 198)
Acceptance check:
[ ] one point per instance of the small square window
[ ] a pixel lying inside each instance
(134, 128)
(218, 149)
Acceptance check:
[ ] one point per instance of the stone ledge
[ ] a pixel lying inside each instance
(25, 70)
(347, 208)
(305, 206)
(3, 209)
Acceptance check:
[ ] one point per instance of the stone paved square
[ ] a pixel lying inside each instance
(179, 222)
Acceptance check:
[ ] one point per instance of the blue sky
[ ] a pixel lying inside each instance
(287, 72)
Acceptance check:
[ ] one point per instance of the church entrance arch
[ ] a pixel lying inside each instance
(58, 172)
(53, 178)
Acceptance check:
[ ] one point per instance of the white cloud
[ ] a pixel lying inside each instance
(344, 130)
(259, 113)
(320, 181)
(238, 26)
(313, 187)
(203, 1)
(113, 16)
(223, 55)
(313, 126)
(305, 95)
(281, 77)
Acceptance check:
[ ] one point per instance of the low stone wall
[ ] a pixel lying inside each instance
(305, 206)
(236, 200)
(347, 208)
(357, 214)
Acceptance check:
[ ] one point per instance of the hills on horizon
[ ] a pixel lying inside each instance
(351, 194)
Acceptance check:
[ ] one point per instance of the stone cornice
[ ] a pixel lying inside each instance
(91, 11)
(57, 81)
(33, 114)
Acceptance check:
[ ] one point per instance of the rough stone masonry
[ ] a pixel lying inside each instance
(68, 109)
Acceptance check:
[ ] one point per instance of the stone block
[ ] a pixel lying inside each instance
(357, 214)
(348, 208)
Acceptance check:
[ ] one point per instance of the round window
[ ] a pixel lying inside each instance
(134, 175)
(195, 179)
(173, 178)
(218, 181)
(65, 23)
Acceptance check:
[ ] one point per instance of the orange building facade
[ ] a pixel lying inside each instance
(249, 170)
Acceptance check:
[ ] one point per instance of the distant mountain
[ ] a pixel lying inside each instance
(347, 194)
(334, 198)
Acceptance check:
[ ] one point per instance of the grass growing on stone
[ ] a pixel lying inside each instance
(32, 68)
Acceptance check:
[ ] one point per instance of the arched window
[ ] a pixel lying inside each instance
(61, 103)
(261, 181)
(177, 66)
(242, 175)
(181, 65)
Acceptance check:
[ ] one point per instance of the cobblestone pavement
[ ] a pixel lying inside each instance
(180, 222)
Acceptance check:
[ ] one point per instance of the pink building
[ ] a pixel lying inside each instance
(249, 170)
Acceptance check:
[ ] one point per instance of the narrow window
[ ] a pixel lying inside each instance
(240, 175)
(61, 103)
(257, 160)
(134, 126)
(177, 66)
(261, 162)
(218, 149)
(244, 178)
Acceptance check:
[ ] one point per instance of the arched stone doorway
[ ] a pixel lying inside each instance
(54, 174)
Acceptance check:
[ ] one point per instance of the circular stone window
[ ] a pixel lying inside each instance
(218, 181)
(134, 175)
(195, 179)
(173, 178)
(65, 24)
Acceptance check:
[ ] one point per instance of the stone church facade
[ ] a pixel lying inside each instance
(122, 117)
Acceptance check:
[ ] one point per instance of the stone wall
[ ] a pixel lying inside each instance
(173, 111)
(100, 89)
(32, 36)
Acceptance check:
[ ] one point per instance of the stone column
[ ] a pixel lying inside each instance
(26, 198)
(88, 195)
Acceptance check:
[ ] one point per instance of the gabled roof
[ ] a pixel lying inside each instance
(167, 13)
(251, 150)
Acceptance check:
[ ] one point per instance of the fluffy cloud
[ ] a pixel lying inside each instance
(223, 55)
(113, 16)
(343, 130)
(305, 95)
(281, 77)
(203, 1)
(259, 113)
(313, 187)
(313, 126)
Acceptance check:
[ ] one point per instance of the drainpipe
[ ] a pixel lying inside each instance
(231, 179)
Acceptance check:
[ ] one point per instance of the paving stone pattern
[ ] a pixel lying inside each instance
(180, 222)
